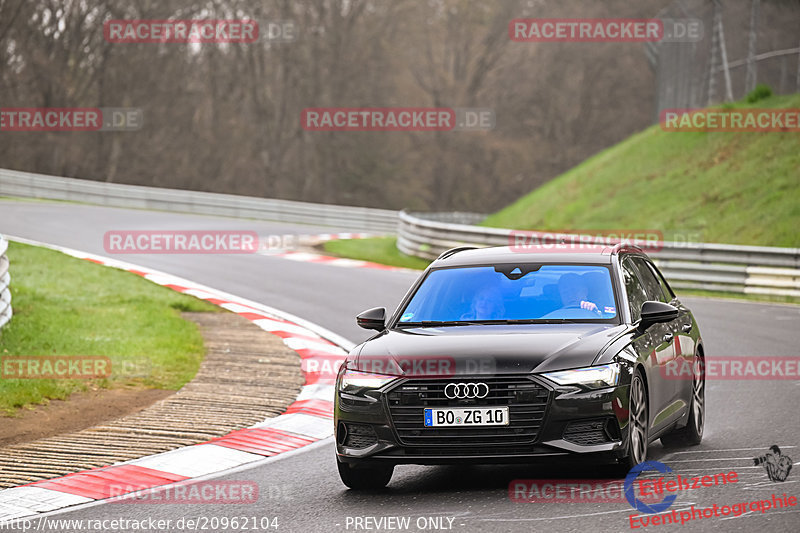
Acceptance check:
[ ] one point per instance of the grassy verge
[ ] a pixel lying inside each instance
(381, 250)
(23, 199)
(758, 298)
(739, 188)
(68, 306)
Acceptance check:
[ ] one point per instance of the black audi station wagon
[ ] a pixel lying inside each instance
(500, 356)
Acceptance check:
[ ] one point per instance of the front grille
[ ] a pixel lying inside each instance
(526, 399)
(588, 432)
(360, 436)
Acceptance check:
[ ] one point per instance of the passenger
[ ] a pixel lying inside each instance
(486, 305)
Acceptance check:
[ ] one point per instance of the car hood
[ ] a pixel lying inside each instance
(485, 349)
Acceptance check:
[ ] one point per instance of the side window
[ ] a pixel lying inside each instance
(634, 289)
(651, 284)
(665, 288)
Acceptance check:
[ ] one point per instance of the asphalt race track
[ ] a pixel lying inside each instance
(302, 489)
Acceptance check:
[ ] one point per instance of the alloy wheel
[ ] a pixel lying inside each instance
(698, 395)
(638, 421)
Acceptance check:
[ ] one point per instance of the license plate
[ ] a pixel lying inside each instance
(484, 416)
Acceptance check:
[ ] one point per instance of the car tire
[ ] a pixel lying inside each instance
(692, 433)
(638, 423)
(365, 478)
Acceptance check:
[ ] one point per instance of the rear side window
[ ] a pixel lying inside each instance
(664, 285)
(652, 286)
(633, 288)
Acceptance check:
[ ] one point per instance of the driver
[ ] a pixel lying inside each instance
(574, 293)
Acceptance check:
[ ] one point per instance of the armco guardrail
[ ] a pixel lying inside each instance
(712, 267)
(5, 281)
(28, 185)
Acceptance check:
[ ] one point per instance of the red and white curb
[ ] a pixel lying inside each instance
(308, 257)
(292, 241)
(323, 237)
(306, 421)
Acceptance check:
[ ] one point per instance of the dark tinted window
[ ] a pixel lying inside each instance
(665, 288)
(633, 288)
(652, 286)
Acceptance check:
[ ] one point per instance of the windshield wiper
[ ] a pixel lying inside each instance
(543, 321)
(434, 323)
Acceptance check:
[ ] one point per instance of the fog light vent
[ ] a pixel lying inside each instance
(587, 432)
(360, 436)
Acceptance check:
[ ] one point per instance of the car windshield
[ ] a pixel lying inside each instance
(512, 293)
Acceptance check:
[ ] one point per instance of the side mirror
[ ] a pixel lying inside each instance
(656, 312)
(372, 318)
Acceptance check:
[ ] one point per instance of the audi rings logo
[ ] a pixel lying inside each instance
(466, 390)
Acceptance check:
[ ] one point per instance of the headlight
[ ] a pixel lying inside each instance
(357, 382)
(591, 377)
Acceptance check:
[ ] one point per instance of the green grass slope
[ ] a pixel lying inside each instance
(741, 188)
(70, 307)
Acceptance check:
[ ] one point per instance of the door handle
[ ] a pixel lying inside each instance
(686, 328)
(668, 337)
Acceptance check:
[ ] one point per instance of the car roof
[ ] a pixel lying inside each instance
(599, 255)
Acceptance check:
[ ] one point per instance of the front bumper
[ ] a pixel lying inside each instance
(546, 422)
